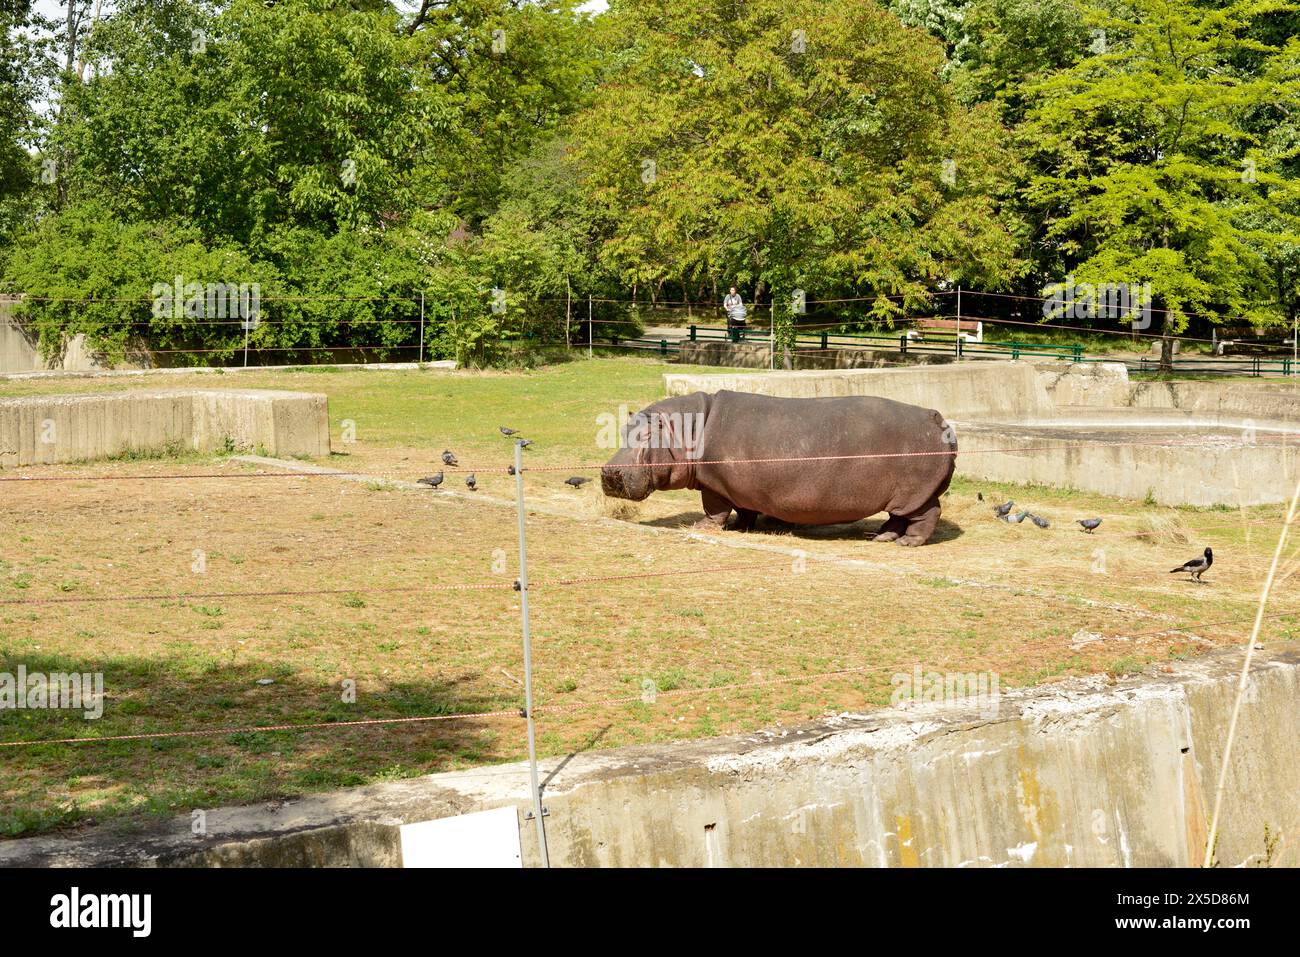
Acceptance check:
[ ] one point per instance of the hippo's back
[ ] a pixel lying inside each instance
(912, 448)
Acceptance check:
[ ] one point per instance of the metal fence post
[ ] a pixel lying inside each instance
(589, 328)
(421, 326)
(538, 812)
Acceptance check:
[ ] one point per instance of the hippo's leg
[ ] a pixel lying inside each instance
(745, 519)
(716, 510)
(893, 528)
(921, 525)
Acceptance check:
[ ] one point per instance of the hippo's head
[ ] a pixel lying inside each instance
(657, 448)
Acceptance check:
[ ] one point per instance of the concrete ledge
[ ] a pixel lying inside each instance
(748, 355)
(1086, 772)
(959, 391)
(1206, 465)
(71, 428)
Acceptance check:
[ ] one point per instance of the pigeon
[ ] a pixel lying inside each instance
(432, 481)
(1017, 518)
(979, 496)
(1040, 522)
(1088, 524)
(1001, 510)
(508, 432)
(577, 481)
(448, 458)
(1197, 566)
(524, 443)
(472, 482)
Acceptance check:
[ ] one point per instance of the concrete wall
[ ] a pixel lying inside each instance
(1106, 385)
(748, 355)
(959, 391)
(18, 352)
(70, 428)
(1203, 467)
(1084, 773)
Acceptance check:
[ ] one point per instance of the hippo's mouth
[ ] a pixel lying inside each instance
(613, 485)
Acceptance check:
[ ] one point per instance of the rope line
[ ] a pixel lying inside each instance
(596, 466)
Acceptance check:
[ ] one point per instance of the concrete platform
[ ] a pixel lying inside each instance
(72, 428)
(1174, 460)
(1088, 772)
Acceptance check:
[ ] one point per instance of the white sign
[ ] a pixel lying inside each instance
(482, 839)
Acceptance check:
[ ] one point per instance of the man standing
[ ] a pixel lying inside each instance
(735, 307)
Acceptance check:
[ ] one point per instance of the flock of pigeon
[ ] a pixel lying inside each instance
(1197, 567)
(471, 481)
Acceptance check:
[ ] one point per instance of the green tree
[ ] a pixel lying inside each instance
(17, 120)
(791, 145)
(1146, 166)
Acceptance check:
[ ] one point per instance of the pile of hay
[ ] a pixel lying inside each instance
(1163, 528)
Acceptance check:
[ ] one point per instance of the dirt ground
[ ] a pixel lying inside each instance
(734, 630)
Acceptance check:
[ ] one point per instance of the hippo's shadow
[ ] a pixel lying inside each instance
(863, 529)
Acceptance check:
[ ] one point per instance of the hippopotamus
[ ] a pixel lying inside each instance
(694, 441)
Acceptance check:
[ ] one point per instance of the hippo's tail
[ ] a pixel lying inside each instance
(947, 431)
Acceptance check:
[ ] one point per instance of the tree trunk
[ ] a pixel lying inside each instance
(1166, 350)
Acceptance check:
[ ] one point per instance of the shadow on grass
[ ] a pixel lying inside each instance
(862, 530)
(49, 785)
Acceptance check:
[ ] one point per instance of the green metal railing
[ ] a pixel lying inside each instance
(961, 349)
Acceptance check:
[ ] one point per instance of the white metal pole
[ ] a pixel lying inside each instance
(245, 343)
(589, 331)
(528, 659)
(422, 327)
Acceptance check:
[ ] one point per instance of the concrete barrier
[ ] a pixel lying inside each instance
(1106, 385)
(748, 355)
(1086, 772)
(71, 428)
(1206, 463)
(19, 353)
(960, 391)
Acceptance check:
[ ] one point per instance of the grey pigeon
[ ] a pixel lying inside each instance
(1001, 510)
(1197, 566)
(577, 481)
(524, 443)
(1040, 522)
(1017, 518)
(433, 481)
(508, 432)
(1089, 524)
(448, 458)
(472, 482)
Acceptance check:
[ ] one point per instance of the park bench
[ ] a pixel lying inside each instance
(967, 329)
(1244, 340)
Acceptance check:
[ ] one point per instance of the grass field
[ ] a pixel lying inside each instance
(1030, 605)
